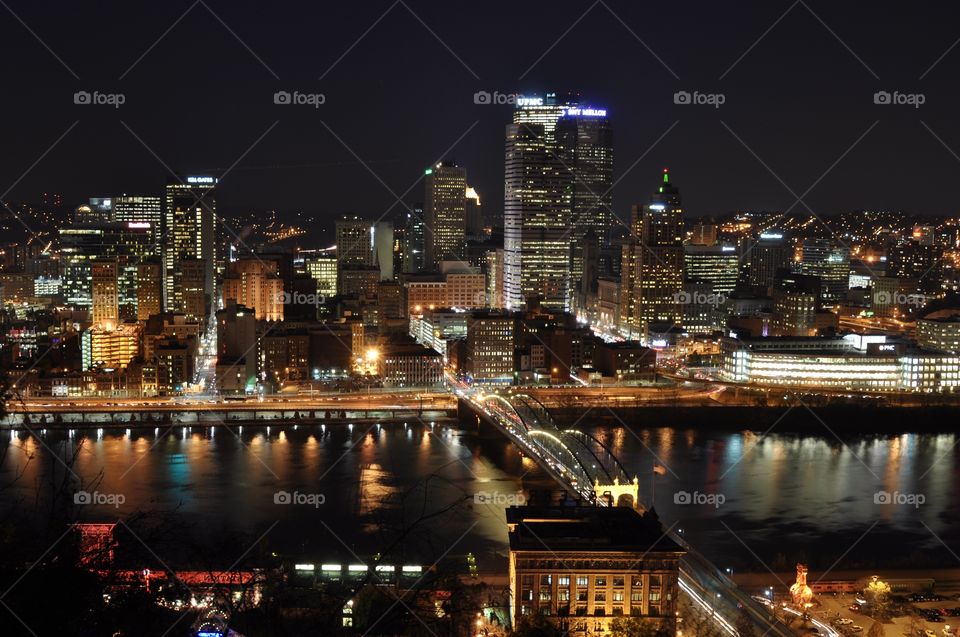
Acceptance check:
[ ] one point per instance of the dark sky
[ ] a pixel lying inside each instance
(201, 96)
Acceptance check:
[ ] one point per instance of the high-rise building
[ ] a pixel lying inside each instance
(829, 260)
(81, 244)
(321, 265)
(254, 283)
(149, 288)
(383, 249)
(536, 220)
(445, 217)
(414, 241)
(916, 259)
(354, 244)
(770, 252)
(491, 338)
(190, 210)
(652, 271)
(189, 280)
(584, 141)
(105, 307)
(140, 209)
(543, 111)
(718, 265)
(474, 215)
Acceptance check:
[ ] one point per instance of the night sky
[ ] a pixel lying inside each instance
(200, 98)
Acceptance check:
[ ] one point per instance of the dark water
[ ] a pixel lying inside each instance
(408, 490)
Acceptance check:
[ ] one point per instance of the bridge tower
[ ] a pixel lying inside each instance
(617, 494)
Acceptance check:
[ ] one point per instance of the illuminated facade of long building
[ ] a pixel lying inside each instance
(653, 265)
(853, 362)
(445, 214)
(190, 209)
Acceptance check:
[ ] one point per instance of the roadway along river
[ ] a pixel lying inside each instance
(415, 490)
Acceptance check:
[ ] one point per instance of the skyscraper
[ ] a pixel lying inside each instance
(149, 288)
(536, 220)
(354, 245)
(138, 209)
(652, 269)
(103, 281)
(190, 209)
(584, 142)
(414, 241)
(829, 260)
(445, 216)
(770, 252)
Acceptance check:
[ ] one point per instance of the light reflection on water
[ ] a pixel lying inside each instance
(781, 491)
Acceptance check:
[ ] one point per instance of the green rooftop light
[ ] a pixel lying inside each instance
(428, 171)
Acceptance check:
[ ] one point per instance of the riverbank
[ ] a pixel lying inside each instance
(841, 419)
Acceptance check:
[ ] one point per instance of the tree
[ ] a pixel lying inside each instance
(535, 626)
(877, 593)
(634, 627)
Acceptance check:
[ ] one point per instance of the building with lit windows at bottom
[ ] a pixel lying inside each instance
(408, 364)
(854, 362)
(581, 567)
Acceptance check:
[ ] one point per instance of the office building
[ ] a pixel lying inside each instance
(584, 144)
(445, 213)
(940, 332)
(768, 253)
(652, 270)
(581, 567)
(829, 260)
(149, 288)
(409, 364)
(141, 209)
(190, 220)
(414, 241)
(254, 283)
(536, 221)
(321, 266)
(717, 265)
(854, 362)
(491, 339)
(105, 302)
(110, 348)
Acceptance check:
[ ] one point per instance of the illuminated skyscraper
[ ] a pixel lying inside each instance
(445, 216)
(829, 260)
(354, 245)
(584, 141)
(414, 241)
(137, 209)
(106, 308)
(149, 288)
(190, 210)
(536, 220)
(652, 268)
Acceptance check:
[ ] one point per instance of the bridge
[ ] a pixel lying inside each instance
(589, 471)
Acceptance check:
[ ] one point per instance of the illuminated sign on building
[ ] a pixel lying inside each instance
(585, 112)
(201, 180)
(529, 101)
